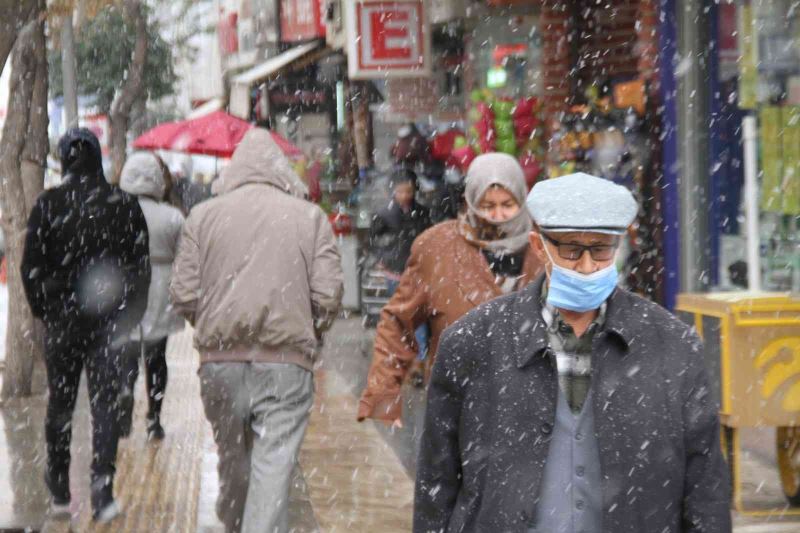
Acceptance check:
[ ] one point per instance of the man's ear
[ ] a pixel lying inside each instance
(538, 246)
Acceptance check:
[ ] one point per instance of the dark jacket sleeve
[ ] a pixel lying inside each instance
(439, 463)
(377, 228)
(706, 493)
(134, 254)
(37, 278)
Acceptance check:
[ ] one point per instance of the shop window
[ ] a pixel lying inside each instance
(759, 75)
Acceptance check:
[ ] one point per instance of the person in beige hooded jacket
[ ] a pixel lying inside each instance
(259, 276)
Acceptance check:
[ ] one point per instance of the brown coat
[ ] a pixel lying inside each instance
(445, 278)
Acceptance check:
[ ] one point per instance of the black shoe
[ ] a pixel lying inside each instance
(125, 402)
(154, 429)
(104, 507)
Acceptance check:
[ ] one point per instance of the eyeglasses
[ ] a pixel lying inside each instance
(573, 252)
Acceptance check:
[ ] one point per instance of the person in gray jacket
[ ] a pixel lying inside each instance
(572, 405)
(143, 177)
(258, 273)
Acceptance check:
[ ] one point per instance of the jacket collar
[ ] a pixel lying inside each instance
(468, 253)
(619, 321)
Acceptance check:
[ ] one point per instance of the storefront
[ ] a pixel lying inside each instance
(546, 85)
(756, 74)
(294, 89)
(571, 90)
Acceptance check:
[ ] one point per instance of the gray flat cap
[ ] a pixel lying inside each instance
(581, 202)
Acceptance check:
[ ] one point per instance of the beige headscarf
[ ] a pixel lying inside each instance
(486, 171)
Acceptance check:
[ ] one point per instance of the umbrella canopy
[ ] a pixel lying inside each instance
(217, 134)
(159, 137)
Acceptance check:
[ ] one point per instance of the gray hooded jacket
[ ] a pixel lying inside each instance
(142, 177)
(258, 271)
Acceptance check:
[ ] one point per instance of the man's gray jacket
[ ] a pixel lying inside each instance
(491, 411)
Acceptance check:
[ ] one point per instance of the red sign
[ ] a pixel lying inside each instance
(388, 38)
(502, 51)
(727, 37)
(301, 20)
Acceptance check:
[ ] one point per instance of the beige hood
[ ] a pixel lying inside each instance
(258, 159)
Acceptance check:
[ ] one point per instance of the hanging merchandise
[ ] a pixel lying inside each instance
(443, 143)
(771, 157)
(748, 65)
(508, 125)
(483, 137)
(528, 133)
(780, 159)
(504, 126)
(603, 136)
(790, 182)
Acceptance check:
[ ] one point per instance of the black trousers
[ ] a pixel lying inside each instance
(155, 363)
(66, 355)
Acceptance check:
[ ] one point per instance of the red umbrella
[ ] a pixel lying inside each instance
(217, 134)
(159, 137)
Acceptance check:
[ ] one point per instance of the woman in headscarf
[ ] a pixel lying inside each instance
(454, 267)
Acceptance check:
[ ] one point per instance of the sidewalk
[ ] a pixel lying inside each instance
(156, 484)
(351, 479)
(354, 478)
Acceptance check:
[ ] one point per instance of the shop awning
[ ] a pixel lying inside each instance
(274, 64)
(241, 83)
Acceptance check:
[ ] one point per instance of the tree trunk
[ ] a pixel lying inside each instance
(69, 71)
(130, 90)
(23, 155)
(14, 14)
(138, 120)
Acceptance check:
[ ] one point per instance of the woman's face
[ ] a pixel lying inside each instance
(498, 205)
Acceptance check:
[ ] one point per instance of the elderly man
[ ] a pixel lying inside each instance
(572, 405)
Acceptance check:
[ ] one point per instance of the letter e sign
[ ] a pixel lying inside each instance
(390, 39)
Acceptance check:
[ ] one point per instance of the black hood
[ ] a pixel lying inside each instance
(80, 153)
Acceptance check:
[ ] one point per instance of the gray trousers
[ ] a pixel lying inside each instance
(259, 413)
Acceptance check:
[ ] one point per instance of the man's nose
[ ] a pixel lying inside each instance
(585, 264)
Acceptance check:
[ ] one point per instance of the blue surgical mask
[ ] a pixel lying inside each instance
(580, 292)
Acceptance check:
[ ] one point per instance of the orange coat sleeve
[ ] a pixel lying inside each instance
(395, 345)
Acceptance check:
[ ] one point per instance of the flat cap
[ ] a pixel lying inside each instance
(581, 202)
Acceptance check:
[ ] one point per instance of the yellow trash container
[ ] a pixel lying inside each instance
(752, 352)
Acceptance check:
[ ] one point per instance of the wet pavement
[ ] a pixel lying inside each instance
(353, 477)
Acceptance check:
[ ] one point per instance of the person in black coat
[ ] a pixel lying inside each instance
(394, 228)
(86, 273)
